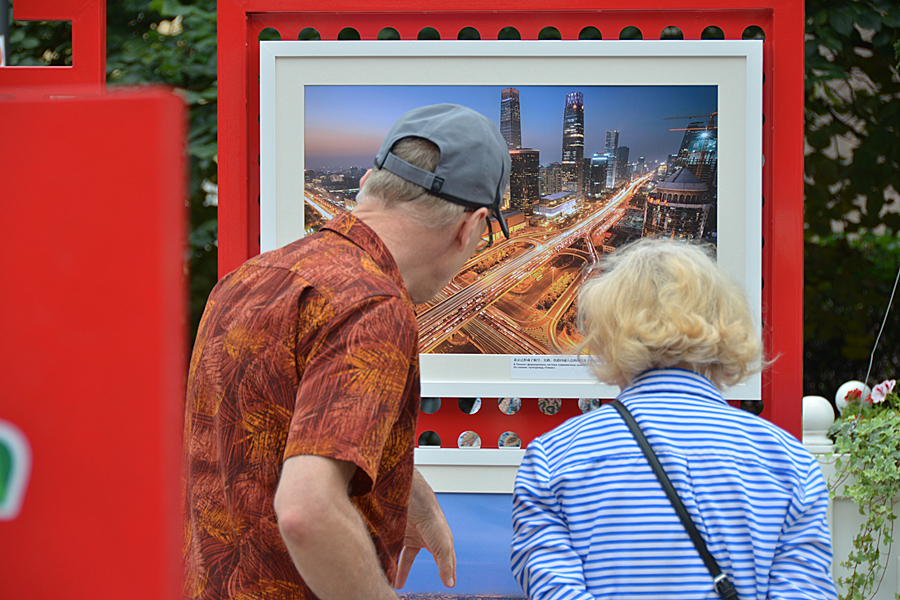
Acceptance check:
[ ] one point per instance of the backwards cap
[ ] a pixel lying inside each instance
(474, 167)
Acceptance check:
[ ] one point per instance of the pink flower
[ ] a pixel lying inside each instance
(883, 389)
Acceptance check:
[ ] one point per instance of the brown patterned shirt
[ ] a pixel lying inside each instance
(309, 349)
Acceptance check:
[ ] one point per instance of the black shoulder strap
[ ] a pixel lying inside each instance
(720, 580)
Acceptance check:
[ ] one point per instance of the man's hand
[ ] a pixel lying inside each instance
(426, 527)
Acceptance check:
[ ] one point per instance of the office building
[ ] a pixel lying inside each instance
(524, 179)
(623, 169)
(510, 118)
(573, 139)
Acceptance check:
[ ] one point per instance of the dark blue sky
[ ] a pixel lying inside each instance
(345, 124)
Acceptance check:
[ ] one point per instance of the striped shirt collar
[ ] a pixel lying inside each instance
(672, 381)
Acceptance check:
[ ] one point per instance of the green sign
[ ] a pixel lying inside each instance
(15, 469)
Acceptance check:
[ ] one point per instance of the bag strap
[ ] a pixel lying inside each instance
(720, 580)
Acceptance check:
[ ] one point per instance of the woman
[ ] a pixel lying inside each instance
(589, 516)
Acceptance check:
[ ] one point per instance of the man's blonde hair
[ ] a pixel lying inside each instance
(661, 304)
(392, 191)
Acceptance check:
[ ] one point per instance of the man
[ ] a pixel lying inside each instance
(303, 391)
(591, 520)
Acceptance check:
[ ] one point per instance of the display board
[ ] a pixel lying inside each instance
(326, 105)
(779, 23)
(93, 359)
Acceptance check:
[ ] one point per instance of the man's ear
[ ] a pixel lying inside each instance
(472, 224)
(362, 180)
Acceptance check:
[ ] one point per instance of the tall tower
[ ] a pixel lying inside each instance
(612, 140)
(510, 119)
(573, 138)
(612, 143)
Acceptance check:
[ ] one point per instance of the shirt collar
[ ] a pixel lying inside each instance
(659, 381)
(356, 231)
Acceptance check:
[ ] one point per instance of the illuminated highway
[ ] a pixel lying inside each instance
(467, 307)
(458, 311)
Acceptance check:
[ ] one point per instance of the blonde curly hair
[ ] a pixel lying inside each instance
(663, 303)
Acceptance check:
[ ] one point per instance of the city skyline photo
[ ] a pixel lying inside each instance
(592, 168)
(344, 125)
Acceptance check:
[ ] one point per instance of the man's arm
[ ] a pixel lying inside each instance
(324, 533)
(426, 528)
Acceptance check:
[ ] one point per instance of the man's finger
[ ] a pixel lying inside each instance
(446, 563)
(404, 564)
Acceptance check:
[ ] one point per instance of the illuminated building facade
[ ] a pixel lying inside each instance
(510, 118)
(699, 151)
(524, 179)
(679, 208)
(597, 178)
(573, 139)
(612, 142)
(554, 205)
(551, 179)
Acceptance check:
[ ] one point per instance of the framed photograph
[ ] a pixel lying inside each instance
(609, 140)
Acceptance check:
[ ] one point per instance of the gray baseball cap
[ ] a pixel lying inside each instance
(474, 165)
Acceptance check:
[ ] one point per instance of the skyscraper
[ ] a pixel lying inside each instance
(612, 142)
(510, 119)
(599, 167)
(573, 138)
(622, 171)
(524, 179)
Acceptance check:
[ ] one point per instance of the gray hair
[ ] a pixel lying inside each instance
(390, 190)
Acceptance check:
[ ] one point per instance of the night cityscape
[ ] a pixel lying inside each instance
(572, 199)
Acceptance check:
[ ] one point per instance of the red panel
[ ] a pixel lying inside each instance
(240, 22)
(489, 422)
(92, 363)
(88, 44)
(449, 421)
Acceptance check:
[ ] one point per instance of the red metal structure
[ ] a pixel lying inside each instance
(88, 70)
(780, 21)
(93, 324)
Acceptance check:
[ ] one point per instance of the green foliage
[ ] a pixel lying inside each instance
(39, 43)
(161, 41)
(847, 287)
(867, 441)
(852, 117)
(174, 43)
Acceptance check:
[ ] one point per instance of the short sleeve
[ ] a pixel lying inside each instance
(355, 382)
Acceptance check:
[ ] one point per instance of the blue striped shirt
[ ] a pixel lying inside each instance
(590, 519)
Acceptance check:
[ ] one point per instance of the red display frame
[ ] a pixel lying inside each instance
(242, 21)
(88, 70)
